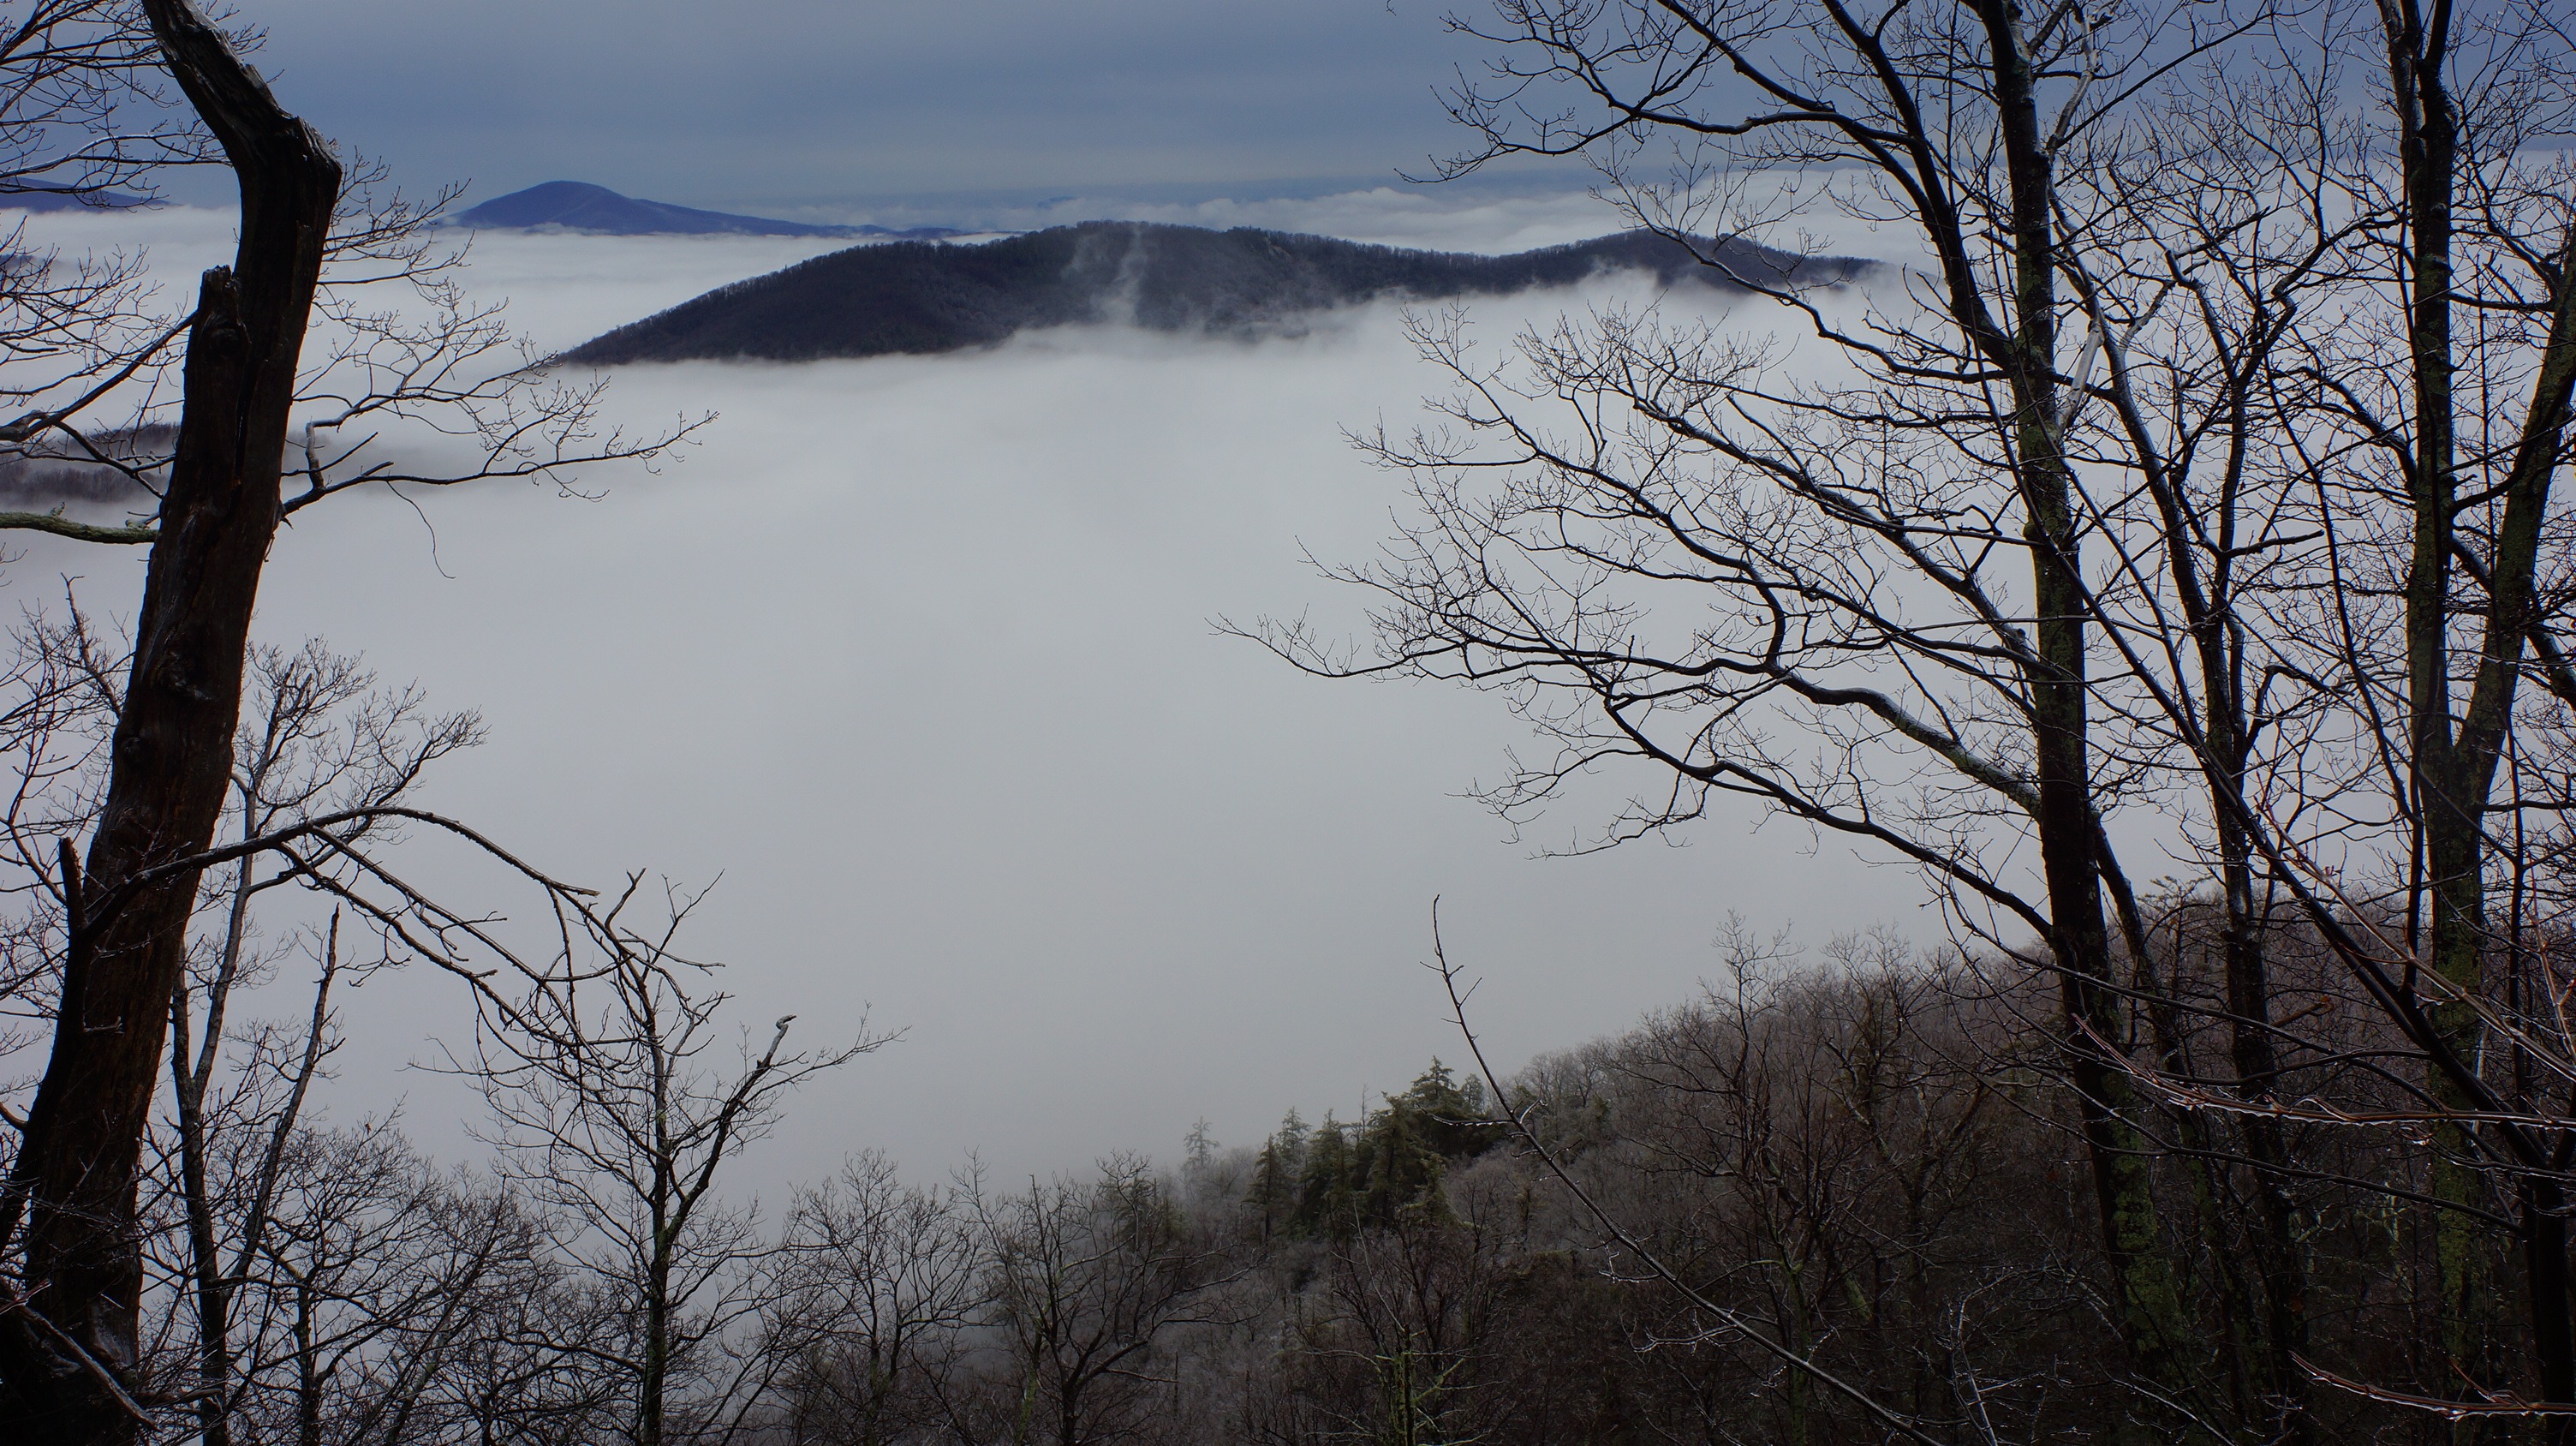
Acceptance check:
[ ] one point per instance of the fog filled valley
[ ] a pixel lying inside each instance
(972, 760)
(1855, 729)
(972, 766)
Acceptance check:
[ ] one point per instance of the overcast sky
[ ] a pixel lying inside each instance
(785, 103)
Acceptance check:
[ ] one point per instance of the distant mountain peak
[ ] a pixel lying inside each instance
(52, 196)
(920, 298)
(597, 210)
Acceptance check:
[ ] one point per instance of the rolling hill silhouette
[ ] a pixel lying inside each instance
(921, 297)
(46, 196)
(580, 206)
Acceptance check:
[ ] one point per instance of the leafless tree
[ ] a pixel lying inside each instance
(1844, 578)
(606, 1112)
(324, 739)
(1087, 1280)
(2126, 507)
(1407, 1310)
(877, 1281)
(69, 1337)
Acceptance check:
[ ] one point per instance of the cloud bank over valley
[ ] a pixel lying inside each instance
(915, 655)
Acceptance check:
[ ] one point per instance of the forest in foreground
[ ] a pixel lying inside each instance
(1843, 1182)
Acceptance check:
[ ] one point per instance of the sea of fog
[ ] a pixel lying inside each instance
(912, 659)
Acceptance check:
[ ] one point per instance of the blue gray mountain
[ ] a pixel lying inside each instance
(921, 297)
(40, 196)
(580, 206)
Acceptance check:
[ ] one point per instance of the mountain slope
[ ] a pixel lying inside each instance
(580, 206)
(922, 298)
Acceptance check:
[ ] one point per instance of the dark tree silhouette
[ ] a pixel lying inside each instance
(68, 1341)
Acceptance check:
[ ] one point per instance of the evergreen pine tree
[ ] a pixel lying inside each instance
(1327, 1207)
(1400, 1166)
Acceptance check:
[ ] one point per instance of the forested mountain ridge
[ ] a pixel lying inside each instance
(921, 297)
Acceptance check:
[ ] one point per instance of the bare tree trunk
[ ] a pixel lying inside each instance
(654, 1385)
(2455, 757)
(214, 1297)
(308, 1371)
(215, 1285)
(69, 1348)
(2150, 1314)
(2281, 1262)
(2453, 862)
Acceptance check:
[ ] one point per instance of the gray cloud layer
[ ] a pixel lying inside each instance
(769, 103)
(915, 654)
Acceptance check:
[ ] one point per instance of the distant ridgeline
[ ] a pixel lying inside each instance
(51, 470)
(920, 297)
(48, 196)
(599, 211)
